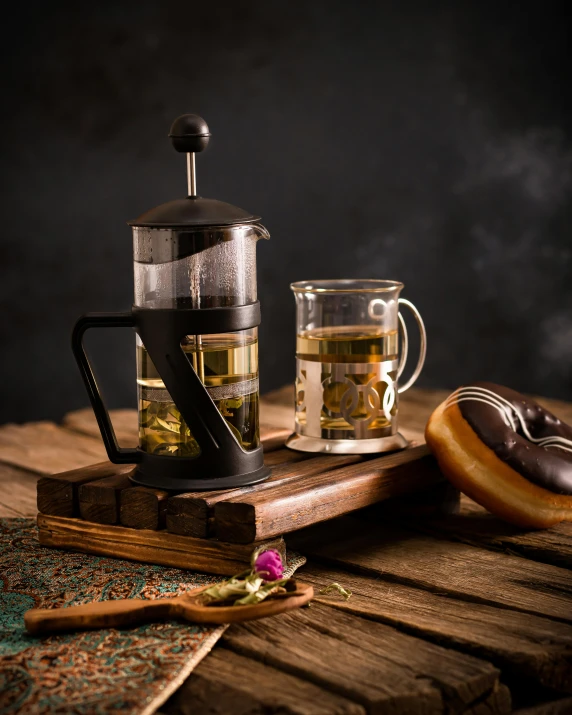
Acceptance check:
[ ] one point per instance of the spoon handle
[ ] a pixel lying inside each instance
(100, 614)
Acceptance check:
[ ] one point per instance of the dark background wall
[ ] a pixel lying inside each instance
(419, 141)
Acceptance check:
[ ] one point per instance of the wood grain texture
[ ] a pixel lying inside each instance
(291, 506)
(46, 448)
(523, 646)
(58, 494)
(143, 508)
(273, 438)
(277, 408)
(371, 663)
(17, 491)
(284, 456)
(192, 513)
(99, 500)
(474, 525)
(124, 421)
(439, 566)
(150, 547)
(227, 682)
(434, 501)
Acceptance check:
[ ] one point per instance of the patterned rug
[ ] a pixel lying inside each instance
(128, 671)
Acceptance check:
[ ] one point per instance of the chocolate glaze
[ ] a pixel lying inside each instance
(548, 468)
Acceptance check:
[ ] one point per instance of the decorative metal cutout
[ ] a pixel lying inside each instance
(346, 400)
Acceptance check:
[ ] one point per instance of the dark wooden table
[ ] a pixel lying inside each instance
(449, 614)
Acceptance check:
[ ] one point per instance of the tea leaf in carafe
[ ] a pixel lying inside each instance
(227, 360)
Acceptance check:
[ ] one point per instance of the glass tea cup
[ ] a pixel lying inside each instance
(348, 364)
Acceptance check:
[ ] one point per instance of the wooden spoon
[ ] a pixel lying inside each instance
(134, 611)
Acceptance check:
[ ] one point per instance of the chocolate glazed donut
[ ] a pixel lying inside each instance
(498, 466)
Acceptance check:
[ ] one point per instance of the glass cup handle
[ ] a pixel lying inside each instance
(405, 345)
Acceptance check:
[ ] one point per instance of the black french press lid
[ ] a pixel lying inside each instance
(190, 135)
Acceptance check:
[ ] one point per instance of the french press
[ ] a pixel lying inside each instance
(196, 316)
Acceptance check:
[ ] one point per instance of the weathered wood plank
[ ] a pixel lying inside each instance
(58, 494)
(192, 513)
(448, 567)
(323, 496)
(100, 501)
(277, 408)
(46, 448)
(143, 508)
(8, 512)
(17, 491)
(526, 648)
(150, 547)
(284, 456)
(272, 438)
(434, 501)
(226, 682)
(369, 662)
(474, 525)
(124, 421)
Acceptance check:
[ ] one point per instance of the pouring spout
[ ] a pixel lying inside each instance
(261, 230)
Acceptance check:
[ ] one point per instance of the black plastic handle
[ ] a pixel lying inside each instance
(116, 454)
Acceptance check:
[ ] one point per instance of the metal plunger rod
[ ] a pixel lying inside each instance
(191, 174)
(190, 134)
(198, 357)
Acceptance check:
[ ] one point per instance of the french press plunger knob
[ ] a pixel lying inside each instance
(190, 134)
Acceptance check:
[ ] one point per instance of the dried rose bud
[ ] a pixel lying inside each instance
(269, 565)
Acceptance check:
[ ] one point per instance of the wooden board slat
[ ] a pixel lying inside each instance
(369, 662)
(474, 525)
(466, 572)
(277, 408)
(124, 421)
(272, 438)
(58, 494)
(193, 513)
(284, 456)
(150, 547)
(143, 508)
(46, 448)
(100, 500)
(527, 648)
(17, 491)
(226, 682)
(291, 506)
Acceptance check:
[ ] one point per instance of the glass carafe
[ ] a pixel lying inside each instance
(211, 267)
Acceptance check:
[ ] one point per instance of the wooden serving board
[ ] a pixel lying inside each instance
(99, 510)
